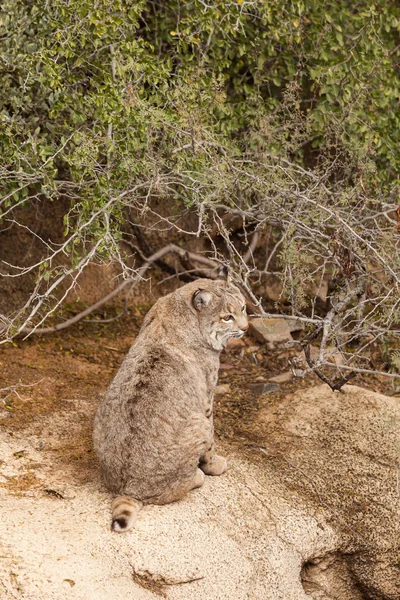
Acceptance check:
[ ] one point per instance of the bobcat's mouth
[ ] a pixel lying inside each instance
(237, 334)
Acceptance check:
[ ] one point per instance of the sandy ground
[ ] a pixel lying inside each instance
(238, 537)
(246, 535)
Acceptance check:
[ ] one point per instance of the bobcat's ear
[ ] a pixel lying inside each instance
(224, 274)
(201, 298)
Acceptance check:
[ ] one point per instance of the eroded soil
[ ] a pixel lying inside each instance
(335, 468)
(58, 380)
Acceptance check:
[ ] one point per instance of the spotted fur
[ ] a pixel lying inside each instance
(153, 432)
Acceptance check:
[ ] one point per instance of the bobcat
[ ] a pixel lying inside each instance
(153, 431)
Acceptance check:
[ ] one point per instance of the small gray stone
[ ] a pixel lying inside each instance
(298, 373)
(222, 389)
(295, 325)
(300, 360)
(261, 389)
(392, 392)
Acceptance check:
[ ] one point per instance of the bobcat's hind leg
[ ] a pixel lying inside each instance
(213, 464)
(179, 488)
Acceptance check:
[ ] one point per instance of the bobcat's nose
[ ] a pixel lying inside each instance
(245, 327)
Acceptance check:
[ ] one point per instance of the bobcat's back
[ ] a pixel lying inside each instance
(155, 423)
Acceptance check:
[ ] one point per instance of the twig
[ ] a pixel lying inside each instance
(202, 272)
(252, 247)
(170, 248)
(112, 319)
(12, 389)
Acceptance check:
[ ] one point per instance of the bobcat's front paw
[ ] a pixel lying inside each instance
(215, 466)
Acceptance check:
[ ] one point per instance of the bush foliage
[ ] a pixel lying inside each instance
(284, 113)
(99, 94)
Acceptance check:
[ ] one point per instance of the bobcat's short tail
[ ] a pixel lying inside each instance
(124, 512)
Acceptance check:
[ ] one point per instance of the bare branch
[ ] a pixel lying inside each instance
(128, 283)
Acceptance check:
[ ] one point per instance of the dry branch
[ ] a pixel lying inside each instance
(263, 214)
(128, 283)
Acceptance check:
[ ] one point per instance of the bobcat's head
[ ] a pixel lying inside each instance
(221, 310)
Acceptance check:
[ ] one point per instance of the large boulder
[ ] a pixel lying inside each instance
(272, 331)
(312, 512)
(342, 450)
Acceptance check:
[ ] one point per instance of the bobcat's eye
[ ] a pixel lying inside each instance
(228, 318)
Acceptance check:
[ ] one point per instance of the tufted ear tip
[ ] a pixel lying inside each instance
(224, 274)
(201, 299)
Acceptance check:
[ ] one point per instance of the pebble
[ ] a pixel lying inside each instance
(270, 330)
(222, 389)
(261, 389)
(282, 378)
(235, 344)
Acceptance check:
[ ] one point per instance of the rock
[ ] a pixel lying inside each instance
(295, 325)
(331, 354)
(282, 378)
(316, 515)
(222, 389)
(235, 344)
(270, 330)
(344, 451)
(261, 389)
(392, 392)
(225, 367)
